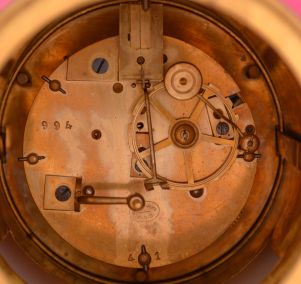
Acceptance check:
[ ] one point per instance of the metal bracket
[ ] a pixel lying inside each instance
(134, 201)
(141, 41)
(71, 185)
(289, 148)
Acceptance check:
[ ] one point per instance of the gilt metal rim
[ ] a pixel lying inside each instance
(232, 9)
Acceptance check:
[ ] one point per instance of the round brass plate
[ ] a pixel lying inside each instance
(183, 81)
(100, 243)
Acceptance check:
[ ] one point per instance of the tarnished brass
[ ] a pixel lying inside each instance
(94, 132)
(140, 37)
(184, 133)
(290, 149)
(135, 202)
(183, 81)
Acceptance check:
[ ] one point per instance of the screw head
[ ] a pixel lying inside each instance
(32, 158)
(136, 202)
(100, 65)
(249, 157)
(55, 85)
(62, 193)
(144, 258)
(249, 143)
(250, 129)
(222, 128)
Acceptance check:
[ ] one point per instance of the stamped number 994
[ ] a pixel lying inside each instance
(56, 125)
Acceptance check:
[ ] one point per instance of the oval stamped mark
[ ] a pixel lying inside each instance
(150, 212)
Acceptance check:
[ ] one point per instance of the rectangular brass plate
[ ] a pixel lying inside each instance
(52, 182)
(141, 34)
(79, 68)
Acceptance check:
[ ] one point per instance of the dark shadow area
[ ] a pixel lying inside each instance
(256, 271)
(29, 271)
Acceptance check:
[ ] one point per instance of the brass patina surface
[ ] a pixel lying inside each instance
(82, 130)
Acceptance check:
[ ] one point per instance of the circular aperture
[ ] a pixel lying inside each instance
(96, 134)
